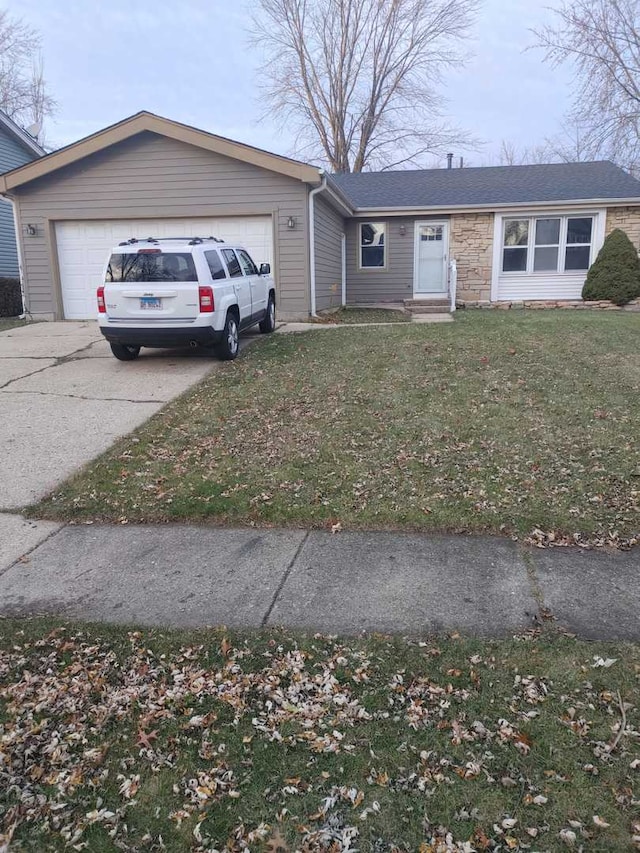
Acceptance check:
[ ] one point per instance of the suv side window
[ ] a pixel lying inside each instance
(233, 265)
(215, 265)
(247, 264)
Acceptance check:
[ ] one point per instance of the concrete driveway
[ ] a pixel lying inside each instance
(64, 399)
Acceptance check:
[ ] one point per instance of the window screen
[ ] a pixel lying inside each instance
(372, 252)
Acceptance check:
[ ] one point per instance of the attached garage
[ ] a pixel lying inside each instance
(148, 176)
(83, 247)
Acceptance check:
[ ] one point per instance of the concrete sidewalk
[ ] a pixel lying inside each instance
(178, 575)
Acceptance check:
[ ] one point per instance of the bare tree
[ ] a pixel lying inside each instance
(23, 93)
(357, 79)
(511, 155)
(601, 39)
(574, 143)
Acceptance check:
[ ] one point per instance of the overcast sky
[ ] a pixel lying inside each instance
(191, 61)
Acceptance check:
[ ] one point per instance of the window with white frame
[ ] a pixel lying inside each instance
(372, 244)
(551, 244)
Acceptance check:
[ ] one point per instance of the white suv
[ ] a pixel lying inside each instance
(197, 291)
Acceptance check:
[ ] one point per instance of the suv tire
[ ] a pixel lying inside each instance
(268, 325)
(229, 346)
(125, 352)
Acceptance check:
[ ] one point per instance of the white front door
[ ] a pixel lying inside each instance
(431, 255)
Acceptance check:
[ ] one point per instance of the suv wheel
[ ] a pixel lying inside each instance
(125, 352)
(229, 345)
(268, 325)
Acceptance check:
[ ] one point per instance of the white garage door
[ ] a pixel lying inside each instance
(83, 249)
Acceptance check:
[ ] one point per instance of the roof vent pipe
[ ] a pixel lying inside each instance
(449, 161)
(462, 162)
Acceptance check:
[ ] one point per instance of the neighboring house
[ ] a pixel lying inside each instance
(17, 147)
(517, 233)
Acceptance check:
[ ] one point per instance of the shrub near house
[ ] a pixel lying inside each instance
(615, 274)
(10, 297)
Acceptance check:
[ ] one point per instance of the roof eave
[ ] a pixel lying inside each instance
(156, 124)
(498, 208)
(340, 195)
(21, 135)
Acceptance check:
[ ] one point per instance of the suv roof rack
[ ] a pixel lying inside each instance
(190, 241)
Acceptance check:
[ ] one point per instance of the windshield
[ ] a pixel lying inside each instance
(165, 266)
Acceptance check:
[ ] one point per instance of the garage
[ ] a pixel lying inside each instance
(83, 248)
(149, 176)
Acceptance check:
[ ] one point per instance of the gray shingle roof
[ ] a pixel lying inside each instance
(493, 185)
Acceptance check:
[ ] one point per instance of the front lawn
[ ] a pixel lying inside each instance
(153, 740)
(351, 315)
(517, 423)
(11, 323)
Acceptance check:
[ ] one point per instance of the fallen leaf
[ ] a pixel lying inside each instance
(568, 836)
(145, 738)
(605, 663)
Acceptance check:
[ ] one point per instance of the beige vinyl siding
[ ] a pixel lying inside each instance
(394, 283)
(152, 176)
(329, 228)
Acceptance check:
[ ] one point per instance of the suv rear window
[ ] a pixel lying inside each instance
(159, 266)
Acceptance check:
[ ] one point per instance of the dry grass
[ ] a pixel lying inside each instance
(521, 423)
(351, 315)
(152, 740)
(7, 323)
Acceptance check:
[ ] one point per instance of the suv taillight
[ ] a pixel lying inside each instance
(205, 295)
(102, 309)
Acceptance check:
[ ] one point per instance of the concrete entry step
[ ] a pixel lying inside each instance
(432, 318)
(431, 307)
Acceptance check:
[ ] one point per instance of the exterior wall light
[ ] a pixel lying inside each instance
(291, 223)
(403, 229)
(32, 231)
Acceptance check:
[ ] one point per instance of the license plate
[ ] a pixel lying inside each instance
(150, 302)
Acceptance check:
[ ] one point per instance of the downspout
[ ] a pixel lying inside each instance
(16, 228)
(312, 243)
(343, 259)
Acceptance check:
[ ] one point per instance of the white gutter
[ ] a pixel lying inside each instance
(343, 263)
(312, 243)
(16, 228)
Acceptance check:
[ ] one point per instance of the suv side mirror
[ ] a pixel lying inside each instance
(265, 269)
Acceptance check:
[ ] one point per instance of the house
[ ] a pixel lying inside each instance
(516, 233)
(17, 147)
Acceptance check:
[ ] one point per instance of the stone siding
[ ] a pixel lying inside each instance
(598, 304)
(471, 246)
(626, 218)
